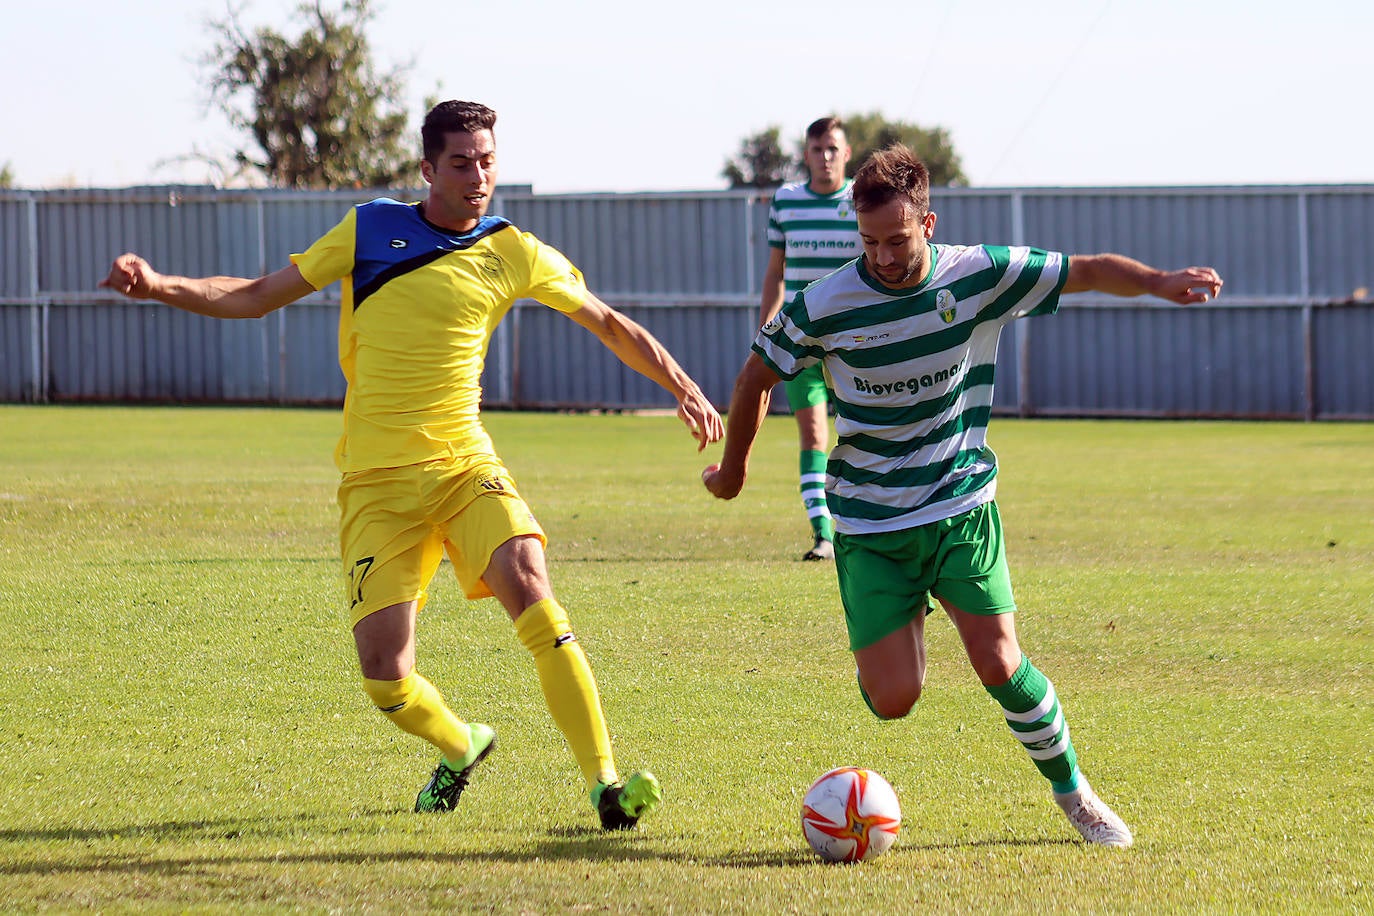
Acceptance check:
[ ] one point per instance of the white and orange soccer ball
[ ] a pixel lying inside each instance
(850, 814)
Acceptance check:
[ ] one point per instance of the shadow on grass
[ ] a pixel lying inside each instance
(566, 844)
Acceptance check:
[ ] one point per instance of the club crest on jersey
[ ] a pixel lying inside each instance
(945, 304)
(844, 210)
(491, 484)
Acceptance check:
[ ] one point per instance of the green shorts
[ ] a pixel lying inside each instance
(807, 389)
(887, 579)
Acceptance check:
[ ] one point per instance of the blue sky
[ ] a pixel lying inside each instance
(625, 96)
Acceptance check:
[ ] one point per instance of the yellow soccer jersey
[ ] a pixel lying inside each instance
(420, 304)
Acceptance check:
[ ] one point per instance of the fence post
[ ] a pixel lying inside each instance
(1025, 407)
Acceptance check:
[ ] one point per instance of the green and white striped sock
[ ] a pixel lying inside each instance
(1032, 711)
(813, 494)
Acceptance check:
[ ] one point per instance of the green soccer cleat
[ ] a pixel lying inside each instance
(447, 784)
(622, 803)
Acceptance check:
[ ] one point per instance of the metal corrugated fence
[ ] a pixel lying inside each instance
(1290, 337)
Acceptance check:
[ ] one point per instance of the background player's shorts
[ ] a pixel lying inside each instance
(807, 389)
(396, 523)
(886, 579)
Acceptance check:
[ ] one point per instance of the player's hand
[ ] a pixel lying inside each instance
(1190, 285)
(701, 419)
(132, 276)
(723, 485)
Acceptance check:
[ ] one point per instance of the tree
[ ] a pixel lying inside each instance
(870, 132)
(760, 162)
(6, 176)
(318, 112)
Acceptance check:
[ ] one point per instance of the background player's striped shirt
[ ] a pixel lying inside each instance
(912, 375)
(817, 233)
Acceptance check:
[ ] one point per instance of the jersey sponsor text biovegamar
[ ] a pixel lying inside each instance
(912, 385)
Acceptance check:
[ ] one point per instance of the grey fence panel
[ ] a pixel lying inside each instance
(81, 232)
(968, 217)
(238, 241)
(1343, 377)
(310, 356)
(1159, 361)
(645, 244)
(21, 348)
(1006, 392)
(1290, 337)
(132, 352)
(561, 365)
(249, 355)
(1251, 238)
(16, 248)
(1341, 231)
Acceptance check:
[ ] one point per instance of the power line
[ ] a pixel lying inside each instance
(1050, 86)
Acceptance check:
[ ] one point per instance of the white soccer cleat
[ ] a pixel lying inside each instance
(1091, 817)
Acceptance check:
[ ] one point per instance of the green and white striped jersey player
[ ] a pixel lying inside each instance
(911, 372)
(908, 336)
(816, 232)
(811, 231)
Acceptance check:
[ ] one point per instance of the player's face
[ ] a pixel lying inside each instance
(461, 180)
(826, 157)
(894, 237)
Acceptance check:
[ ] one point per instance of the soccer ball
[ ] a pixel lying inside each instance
(850, 814)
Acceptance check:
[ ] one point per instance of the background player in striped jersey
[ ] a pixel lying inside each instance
(423, 287)
(908, 336)
(811, 231)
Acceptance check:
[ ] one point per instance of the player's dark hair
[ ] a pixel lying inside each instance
(891, 173)
(823, 125)
(450, 117)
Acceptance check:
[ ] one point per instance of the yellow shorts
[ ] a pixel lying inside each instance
(396, 523)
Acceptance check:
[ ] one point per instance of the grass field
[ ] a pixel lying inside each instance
(181, 725)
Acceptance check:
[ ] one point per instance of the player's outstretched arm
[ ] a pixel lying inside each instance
(748, 407)
(1119, 275)
(634, 346)
(217, 297)
(774, 286)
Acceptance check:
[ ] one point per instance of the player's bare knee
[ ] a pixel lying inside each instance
(894, 701)
(889, 708)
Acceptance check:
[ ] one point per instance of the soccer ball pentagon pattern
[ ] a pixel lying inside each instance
(850, 814)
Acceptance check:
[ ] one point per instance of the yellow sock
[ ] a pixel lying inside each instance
(569, 687)
(416, 706)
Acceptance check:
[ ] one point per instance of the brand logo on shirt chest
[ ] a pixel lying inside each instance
(911, 385)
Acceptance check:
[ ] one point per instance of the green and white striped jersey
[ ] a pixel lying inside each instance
(817, 233)
(911, 374)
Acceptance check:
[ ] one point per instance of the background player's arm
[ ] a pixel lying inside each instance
(634, 346)
(748, 407)
(217, 297)
(772, 286)
(1119, 275)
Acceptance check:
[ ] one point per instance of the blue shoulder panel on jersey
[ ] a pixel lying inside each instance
(393, 239)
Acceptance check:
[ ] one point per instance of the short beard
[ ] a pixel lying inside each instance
(905, 277)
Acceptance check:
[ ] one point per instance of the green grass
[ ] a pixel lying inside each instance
(181, 726)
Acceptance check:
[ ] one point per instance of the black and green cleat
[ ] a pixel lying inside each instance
(621, 804)
(447, 784)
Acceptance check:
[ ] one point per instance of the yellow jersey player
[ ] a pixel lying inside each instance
(424, 285)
